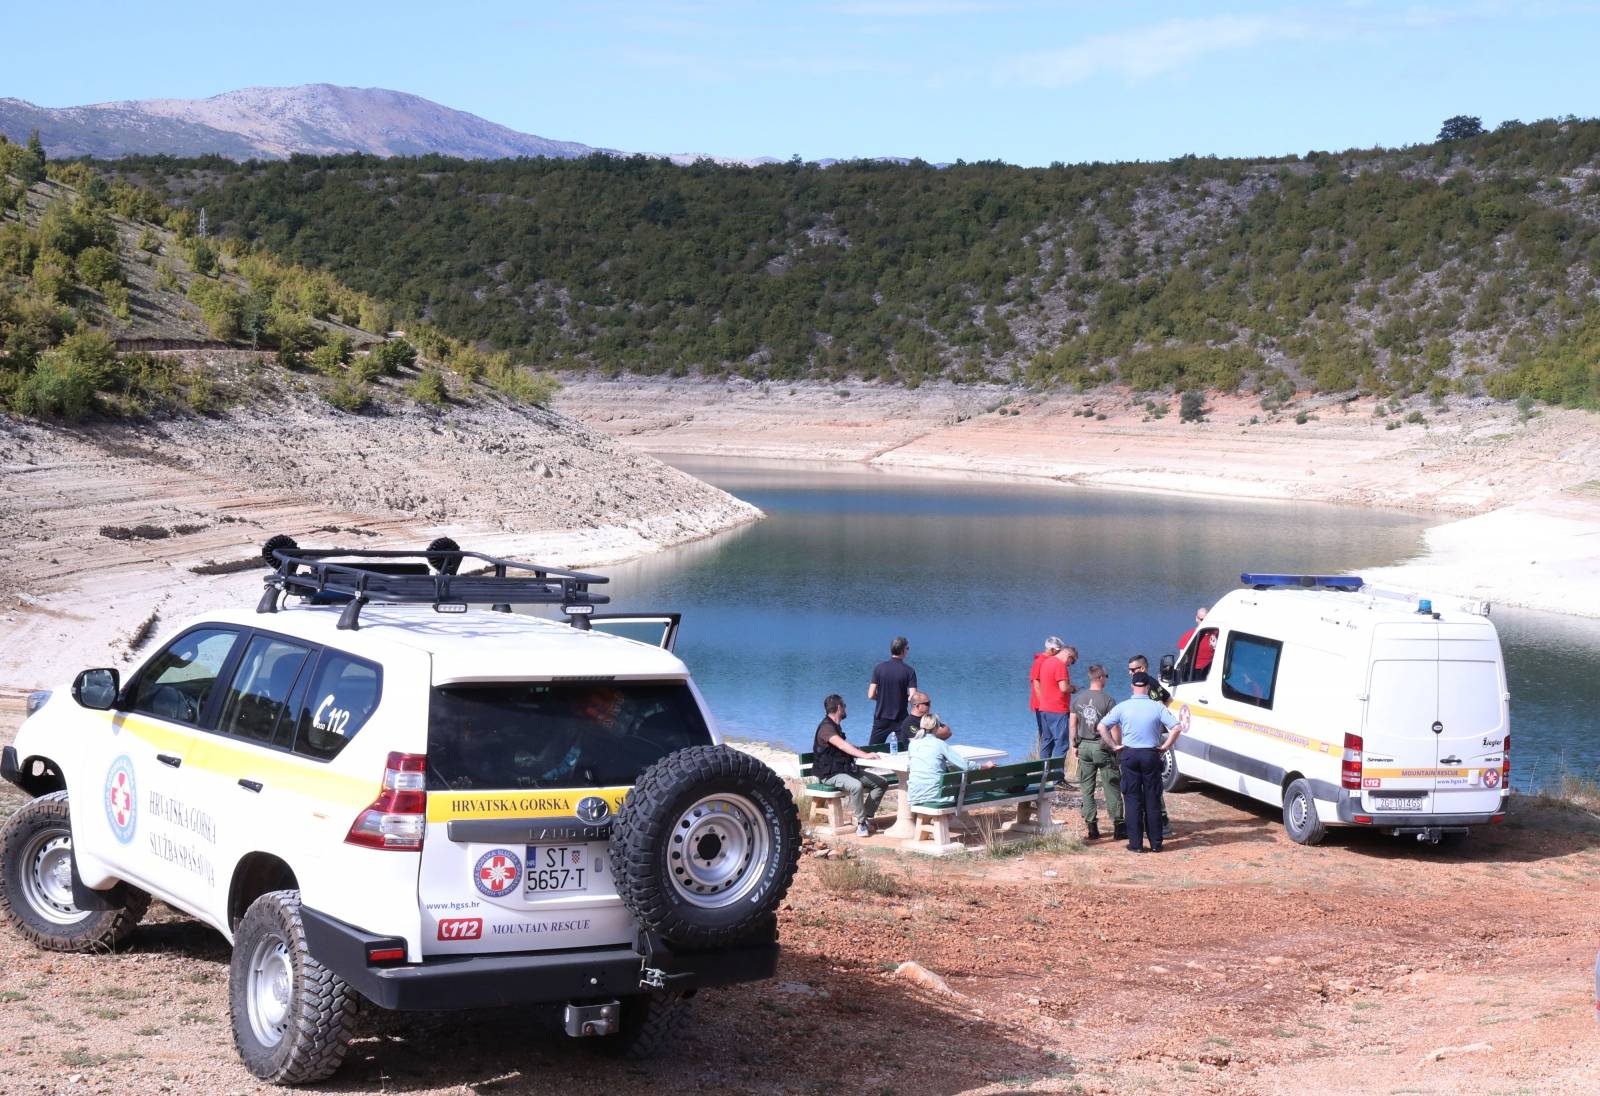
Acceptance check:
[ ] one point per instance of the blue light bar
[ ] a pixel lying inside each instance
(1304, 582)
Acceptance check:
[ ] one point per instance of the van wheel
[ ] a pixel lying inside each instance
(653, 1026)
(1300, 814)
(705, 847)
(291, 1015)
(36, 884)
(1171, 780)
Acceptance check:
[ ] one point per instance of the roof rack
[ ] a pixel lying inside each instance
(428, 577)
(1302, 582)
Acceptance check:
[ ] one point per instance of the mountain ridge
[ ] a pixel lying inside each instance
(274, 123)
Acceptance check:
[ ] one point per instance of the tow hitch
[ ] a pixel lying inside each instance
(586, 1020)
(1431, 835)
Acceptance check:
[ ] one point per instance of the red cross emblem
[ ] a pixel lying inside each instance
(496, 872)
(121, 800)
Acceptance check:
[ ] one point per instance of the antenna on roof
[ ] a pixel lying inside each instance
(354, 577)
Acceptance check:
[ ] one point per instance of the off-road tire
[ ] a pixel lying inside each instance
(1300, 814)
(654, 1025)
(314, 1027)
(32, 845)
(1171, 779)
(648, 848)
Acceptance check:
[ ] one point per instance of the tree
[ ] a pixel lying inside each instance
(36, 146)
(1460, 127)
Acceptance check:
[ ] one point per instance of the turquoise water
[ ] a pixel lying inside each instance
(976, 573)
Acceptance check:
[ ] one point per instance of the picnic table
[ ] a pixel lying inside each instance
(899, 765)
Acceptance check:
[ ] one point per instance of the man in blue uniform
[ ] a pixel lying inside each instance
(1139, 730)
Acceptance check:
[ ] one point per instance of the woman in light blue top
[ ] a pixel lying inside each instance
(931, 756)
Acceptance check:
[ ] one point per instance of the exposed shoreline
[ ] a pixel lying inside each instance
(1527, 515)
(106, 524)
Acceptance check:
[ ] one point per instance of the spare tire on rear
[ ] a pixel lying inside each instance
(705, 847)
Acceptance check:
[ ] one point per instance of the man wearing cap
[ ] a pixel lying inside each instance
(1158, 693)
(1139, 731)
(1051, 646)
(1055, 702)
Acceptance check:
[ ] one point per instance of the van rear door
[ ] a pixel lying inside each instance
(1400, 746)
(1472, 720)
(524, 779)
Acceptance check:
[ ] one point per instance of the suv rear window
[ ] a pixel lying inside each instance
(556, 735)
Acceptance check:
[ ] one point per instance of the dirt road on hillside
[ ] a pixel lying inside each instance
(1234, 962)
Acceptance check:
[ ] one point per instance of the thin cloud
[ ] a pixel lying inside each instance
(910, 9)
(1150, 51)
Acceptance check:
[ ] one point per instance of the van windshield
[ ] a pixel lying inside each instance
(555, 734)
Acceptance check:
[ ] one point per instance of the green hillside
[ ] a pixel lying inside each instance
(1466, 266)
(112, 304)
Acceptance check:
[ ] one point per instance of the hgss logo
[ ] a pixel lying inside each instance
(592, 809)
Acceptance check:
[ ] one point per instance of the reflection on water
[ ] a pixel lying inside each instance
(780, 613)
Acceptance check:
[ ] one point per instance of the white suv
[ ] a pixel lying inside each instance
(375, 791)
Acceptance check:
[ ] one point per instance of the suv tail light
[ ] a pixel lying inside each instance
(397, 819)
(1350, 769)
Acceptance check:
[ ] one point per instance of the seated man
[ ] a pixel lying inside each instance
(834, 763)
(931, 757)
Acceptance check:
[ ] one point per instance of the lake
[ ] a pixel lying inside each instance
(976, 573)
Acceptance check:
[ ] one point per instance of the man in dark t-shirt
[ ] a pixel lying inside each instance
(834, 763)
(893, 681)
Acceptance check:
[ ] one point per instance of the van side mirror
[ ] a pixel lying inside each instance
(1168, 675)
(97, 689)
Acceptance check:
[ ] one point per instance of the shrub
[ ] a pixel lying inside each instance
(394, 355)
(97, 266)
(429, 388)
(1301, 418)
(1192, 407)
(64, 380)
(1414, 417)
(349, 393)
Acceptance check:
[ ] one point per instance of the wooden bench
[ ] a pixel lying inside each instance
(1027, 784)
(825, 797)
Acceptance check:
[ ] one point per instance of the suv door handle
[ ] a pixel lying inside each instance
(250, 785)
(1202, 700)
(168, 759)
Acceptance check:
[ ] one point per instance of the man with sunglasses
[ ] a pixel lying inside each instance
(1138, 664)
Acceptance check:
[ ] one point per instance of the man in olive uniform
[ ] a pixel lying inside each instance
(1095, 758)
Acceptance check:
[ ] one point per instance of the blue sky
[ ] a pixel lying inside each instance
(1027, 82)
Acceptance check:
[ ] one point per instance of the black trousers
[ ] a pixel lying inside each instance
(881, 729)
(1141, 795)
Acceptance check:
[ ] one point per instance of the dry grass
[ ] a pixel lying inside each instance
(857, 876)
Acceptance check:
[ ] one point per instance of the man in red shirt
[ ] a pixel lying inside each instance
(1054, 688)
(1208, 643)
(1051, 646)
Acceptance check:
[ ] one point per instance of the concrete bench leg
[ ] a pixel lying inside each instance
(1033, 817)
(933, 837)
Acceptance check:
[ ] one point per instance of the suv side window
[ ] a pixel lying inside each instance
(1250, 669)
(177, 683)
(256, 706)
(343, 693)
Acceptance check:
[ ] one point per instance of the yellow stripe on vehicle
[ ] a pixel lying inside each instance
(1277, 734)
(282, 772)
(463, 806)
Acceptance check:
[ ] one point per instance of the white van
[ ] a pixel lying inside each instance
(1346, 706)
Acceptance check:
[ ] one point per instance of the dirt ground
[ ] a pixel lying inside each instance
(1234, 962)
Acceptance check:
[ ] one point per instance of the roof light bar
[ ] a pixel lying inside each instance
(1303, 582)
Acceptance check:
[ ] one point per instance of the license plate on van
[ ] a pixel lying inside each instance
(1396, 802)
(557, 869)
